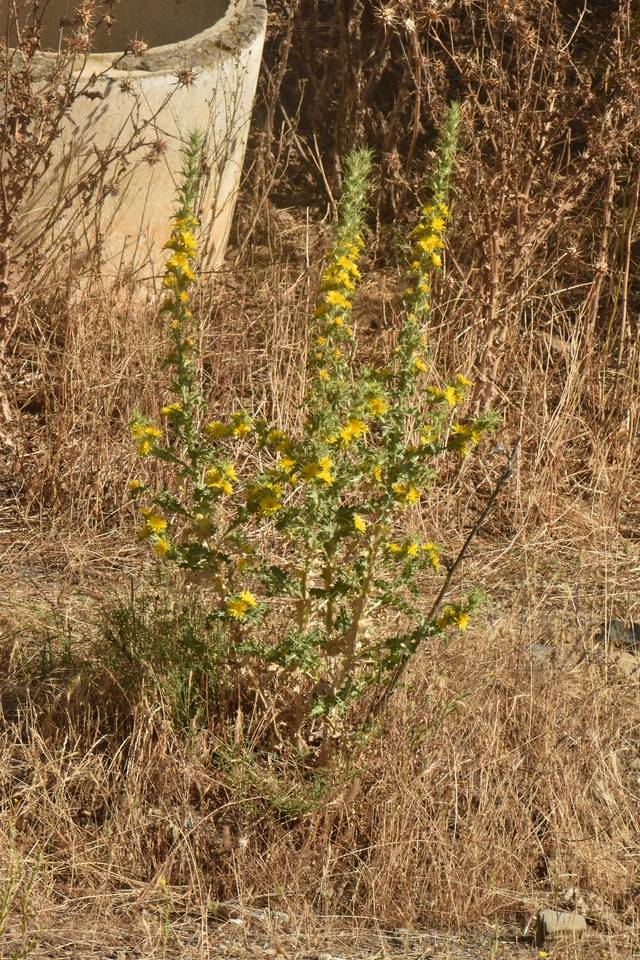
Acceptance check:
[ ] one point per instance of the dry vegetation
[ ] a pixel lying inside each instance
(493, 783)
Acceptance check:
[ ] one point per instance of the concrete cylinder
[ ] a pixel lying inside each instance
(158, 70)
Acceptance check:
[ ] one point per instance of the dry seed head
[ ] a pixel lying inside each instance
(156, 151)
(186, 77)
(137, 47)
(83, 14)
(387, 15)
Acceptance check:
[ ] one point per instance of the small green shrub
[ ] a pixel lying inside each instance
(307, 557)
(170, 643)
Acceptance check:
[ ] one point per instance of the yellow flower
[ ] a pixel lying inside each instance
(237, 607)
(185, 222)
(430, 243)
(337, 321)
(183, 240)
(318, 470)
(172, 408)
(436, 260)
(348, 265)
(463, 437)
(377, 406)
(144, 448)
(323, 374)
(161, 548)
(241, 425)
(405, 492)
(154, 524)
(463, 382)
(183, 296)
(141, 431)
(169, 281)
(412, 549)
(286, 464)
(134, 486)
(269, 504)
(432, 552)
(453, 616)
(325, 464)
(359, 523)
(336, 299)
(333, 279)
(188, 242)
(230, 472)
(395, 549)
(217, 480)
(179, 261)
(321, 341)
(449, 395)
(216, 430)
(264, 498)
(353, 430)
(437, 224)
(420, 365)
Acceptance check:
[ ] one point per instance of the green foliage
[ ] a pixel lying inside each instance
(342, 606)
(168, 643)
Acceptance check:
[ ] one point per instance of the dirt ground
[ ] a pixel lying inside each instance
(190, 939)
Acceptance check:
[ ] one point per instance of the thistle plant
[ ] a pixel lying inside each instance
(341, 607)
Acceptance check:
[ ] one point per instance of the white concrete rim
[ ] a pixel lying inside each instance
(231, 34)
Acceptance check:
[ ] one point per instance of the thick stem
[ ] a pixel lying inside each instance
(359, 608)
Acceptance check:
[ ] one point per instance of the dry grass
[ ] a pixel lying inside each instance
(513, 780)
(491, 781)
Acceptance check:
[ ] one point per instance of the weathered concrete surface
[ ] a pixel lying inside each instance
(138, 113)
(555, 923)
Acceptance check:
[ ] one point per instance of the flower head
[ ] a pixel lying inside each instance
(318, 470)
(172, 408)
(353, 430)
(161, 548)
(336, 299)
(216, 430)
(377, 406)
(405, 492)
(240, 425)
(238, 606)
(359, 523)
(217, 478)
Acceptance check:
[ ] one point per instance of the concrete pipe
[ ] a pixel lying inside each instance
(157, 70)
